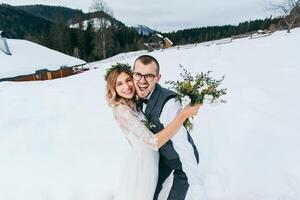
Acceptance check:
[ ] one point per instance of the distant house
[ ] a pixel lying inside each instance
(22, 60)
(167, 43)
(157, 41)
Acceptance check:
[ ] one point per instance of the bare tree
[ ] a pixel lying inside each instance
(104, 23)
(290, 9)
(101, 5)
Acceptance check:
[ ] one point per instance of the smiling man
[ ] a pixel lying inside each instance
(179, 177)
(146, 75)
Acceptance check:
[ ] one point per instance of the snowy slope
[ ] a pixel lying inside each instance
(58, 139)
(27, 57)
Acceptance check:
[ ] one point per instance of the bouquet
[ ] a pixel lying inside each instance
(198, 89)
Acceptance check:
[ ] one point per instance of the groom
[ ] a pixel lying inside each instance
(179, 177)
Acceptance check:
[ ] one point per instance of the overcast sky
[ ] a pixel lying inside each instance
(170, 15)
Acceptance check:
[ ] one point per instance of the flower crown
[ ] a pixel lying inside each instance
(119, 67)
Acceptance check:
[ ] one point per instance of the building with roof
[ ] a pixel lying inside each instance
(157, 41)
(22, 60)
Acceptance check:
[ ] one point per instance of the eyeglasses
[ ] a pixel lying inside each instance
(148, 77)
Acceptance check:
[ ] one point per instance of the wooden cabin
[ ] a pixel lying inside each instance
(45, 74)
(157, 41)
(167, 43)
(28, 61)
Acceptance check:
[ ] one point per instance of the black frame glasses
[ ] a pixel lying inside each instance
(148, 77)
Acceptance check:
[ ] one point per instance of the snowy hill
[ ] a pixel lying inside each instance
(59, 141)
(145, 30)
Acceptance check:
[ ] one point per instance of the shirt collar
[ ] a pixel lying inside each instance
(149, 95)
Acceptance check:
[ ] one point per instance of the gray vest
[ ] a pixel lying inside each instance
(153, 110)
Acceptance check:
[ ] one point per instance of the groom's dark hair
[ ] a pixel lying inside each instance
(147, 59)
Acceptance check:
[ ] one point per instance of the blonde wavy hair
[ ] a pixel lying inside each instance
(112, 97)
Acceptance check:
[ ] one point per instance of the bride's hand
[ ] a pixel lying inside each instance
(191, 111)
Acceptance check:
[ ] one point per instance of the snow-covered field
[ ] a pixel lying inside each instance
(59, 141)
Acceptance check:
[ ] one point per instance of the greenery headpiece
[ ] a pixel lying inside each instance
(118, 67)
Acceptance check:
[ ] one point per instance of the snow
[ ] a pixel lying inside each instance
(96, 22)
(59, 141)
(27, 57)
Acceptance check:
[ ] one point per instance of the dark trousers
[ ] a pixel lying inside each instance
(180, 182)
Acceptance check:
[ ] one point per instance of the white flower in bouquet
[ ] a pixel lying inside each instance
(186, 100)
(200, 90)
(193, 83)
(204, 86)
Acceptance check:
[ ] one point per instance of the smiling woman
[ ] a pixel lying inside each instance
(124, 86)
(119, 86)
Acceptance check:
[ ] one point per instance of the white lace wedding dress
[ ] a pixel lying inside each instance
(139, 178)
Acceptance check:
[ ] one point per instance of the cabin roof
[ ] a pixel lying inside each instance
(27, 57)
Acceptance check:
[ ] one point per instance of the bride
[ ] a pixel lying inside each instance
(140, 173)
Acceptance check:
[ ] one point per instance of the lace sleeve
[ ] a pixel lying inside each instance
(130, 123)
